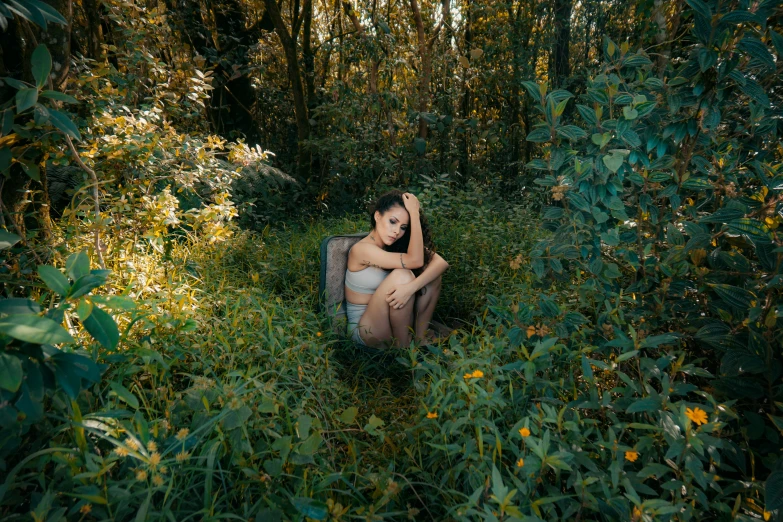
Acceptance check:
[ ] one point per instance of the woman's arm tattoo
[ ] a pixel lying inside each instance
(367, 263)
(401, 261)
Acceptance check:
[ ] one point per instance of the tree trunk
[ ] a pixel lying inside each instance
(307, 52)
(561, 68)
(426, 67)
(288, 41)
(465, 103)
(94, 30)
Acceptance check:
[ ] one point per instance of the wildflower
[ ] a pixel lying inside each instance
(163, 470)
(155, 459)
(432, 415)
(152, 446)
(637, 513)
(520, 463)
(478, 374)
(157, 480)
(524, 432)
(318, 334)
(467, 376)
(121, 452)
(85, 509)
(182, 456)
(141, 475)
(516, 262)
(183, 434)
(696, 415)
(631, 456)
(132, 444)
(531, 331)
(767, 515)
(254, 277)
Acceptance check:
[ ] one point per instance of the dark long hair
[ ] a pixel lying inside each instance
(394, 198)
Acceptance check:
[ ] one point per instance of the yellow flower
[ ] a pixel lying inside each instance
(121, 452)
(524, 432)
(141, 475)
(696, 415)
(131, 444)
(478, 374)
(318, 334)
(85, 509)
(182, 456)
(520, 463)
(163, 470)
(531, 331)
(631, 456)
(467, 376)
(157, 480)
(767, 515)
(254, 277)
(183, 434)
(155, 459)
(432, 415)
(152, 446)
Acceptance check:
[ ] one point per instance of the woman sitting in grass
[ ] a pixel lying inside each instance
(389, 270)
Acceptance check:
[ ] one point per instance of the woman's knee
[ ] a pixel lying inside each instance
(401, 275)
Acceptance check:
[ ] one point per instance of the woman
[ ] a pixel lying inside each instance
(389, 270)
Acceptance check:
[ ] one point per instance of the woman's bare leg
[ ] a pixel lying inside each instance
(380, 323)
(425, 307)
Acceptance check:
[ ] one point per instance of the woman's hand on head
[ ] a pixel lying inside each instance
(412, 204)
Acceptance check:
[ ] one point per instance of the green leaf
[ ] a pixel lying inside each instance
(34, 329)
(124, 394)
(27, 12)
(25, 98)
(648, 404)
(636, 60)
(19, 306)
(10, 372)
(539, 135)
(103, 329)
(588, 114)
(31, 169)
(54, 279)
(7, 239)
(773, 491)
(755, 48)
(738, 17)
(310, 508)
(777, 41)
(6, 125)
(613, 162)
(59, 96)
(48, 12)
(629, 113)
(64, 123)
(42, 65)
(348, 415)
(570, 132)
(751, 228)
(84, 309)
(701, 8)
(85, 285)
(734, 296)
(533, 89)
(654, 341)
(77, 265)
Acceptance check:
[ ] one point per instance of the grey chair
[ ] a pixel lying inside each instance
(331, 288)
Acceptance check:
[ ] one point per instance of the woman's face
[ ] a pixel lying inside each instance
(391, 225)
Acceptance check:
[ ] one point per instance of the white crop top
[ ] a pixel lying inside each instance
(365, 281)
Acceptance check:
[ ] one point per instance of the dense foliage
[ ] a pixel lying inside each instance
(610, 213)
